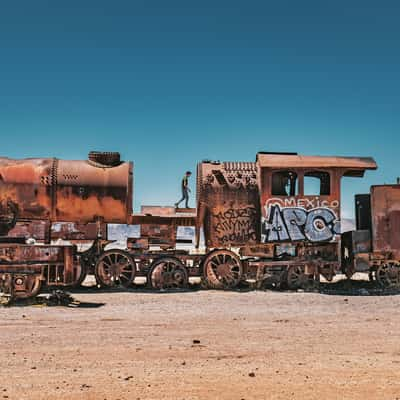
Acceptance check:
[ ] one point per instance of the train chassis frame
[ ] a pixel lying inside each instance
(219, 268)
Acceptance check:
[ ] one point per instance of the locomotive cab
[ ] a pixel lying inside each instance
(300, 195)
(300, 206)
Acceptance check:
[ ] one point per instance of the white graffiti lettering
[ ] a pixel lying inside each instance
(319, 224)
(306, 202)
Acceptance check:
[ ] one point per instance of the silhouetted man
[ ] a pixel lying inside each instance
(185, 190)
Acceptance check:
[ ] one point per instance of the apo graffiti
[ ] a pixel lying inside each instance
(235, 225)
(296, 223)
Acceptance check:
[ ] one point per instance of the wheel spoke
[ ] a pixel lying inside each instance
(222, 269)
(296, 277)
(387, 275)
(115, 267)
(127, 268)
(168, 274)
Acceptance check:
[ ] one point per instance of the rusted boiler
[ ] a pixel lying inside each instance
(97, 190)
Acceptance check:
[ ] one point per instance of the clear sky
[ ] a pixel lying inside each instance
(169, 83)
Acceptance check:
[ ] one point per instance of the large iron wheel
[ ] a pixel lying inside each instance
(296, 277)
(168, 273)
(81, 273)
(222, 269)
(388, 275)
(26, 286)
(115, 268)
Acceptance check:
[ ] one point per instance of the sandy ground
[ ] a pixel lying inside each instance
(252, 345)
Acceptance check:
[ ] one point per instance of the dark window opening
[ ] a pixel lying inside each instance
(317, 183)
(284, 183)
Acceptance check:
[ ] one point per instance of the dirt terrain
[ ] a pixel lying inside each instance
(203, 345)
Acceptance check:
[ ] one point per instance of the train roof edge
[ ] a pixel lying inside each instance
(353, 166)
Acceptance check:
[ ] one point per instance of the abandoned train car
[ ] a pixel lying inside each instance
(274, 221)
(40, 192)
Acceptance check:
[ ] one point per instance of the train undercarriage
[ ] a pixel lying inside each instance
(225, 269)
(157, 264)
(62, 267)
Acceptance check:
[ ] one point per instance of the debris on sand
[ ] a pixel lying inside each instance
(55, 298)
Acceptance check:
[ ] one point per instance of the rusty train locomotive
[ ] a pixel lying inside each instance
(275, 221)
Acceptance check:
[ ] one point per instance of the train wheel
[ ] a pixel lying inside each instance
(168, 273)
(26, 286)
(115, 268)
(81, 273)
(296, 277)
(222, 269)
(388, 275)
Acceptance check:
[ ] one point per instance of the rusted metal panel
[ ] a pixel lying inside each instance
(137, 243)
(166, 211)
(228, 203)
(86, 192)
(17, 253)
(75, 231)
(56, 265)
(355, 249)
(157, 210)
(164, 215)
(39, 230)
(178, 220)
(357, 241)
(165, 234)
(30, 229)
(159, 223)
(296, 216)
(26, 189)
(363, 211)
(68, 267)
(59, 190)
(385, 206)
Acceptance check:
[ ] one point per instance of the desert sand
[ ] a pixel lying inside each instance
(203, 345)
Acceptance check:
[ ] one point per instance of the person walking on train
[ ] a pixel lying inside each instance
(185, 190)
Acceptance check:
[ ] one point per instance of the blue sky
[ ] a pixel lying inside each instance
(169, 83)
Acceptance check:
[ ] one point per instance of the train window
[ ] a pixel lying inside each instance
(284, 183)
(317, 183)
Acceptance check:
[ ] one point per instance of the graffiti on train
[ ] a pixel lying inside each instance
(319, 224)
(235, 225)
(307, 202)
